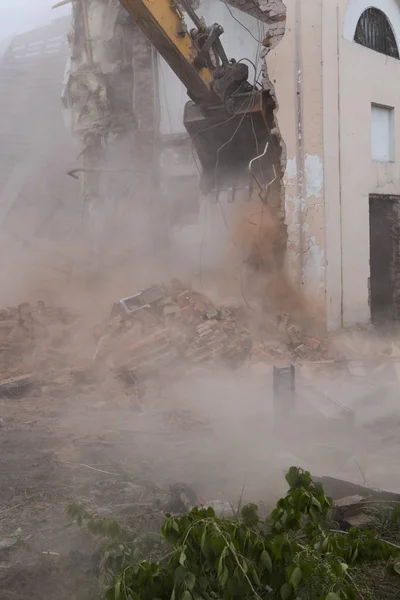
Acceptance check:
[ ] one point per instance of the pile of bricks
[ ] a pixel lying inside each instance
(167, 326)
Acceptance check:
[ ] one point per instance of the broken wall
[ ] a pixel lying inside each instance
(294, 67)
(250, 32)
(110, 96)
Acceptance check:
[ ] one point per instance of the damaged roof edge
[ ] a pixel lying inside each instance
(268, 11)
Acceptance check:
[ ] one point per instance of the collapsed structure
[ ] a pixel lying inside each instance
(126, 108)
(338, 216)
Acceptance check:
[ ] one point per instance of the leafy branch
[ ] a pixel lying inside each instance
(291, 555)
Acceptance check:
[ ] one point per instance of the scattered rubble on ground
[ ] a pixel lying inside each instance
(166, 327)
(31, 341)
(163, 330)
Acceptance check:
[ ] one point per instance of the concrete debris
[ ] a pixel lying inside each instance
(339, 489)
(30, 340)
(302, 346)
(9, 542)
(351, 511)
(182, 498)
(167, 326)
(15, 387)
(156, 334)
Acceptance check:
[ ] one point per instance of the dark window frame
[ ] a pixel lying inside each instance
(375, 32)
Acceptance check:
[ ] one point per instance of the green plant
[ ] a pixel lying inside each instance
(291, 555)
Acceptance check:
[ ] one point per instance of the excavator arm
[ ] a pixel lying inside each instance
(228, 119)
(163, 23)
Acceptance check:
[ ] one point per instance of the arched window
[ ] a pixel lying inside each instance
(375, 32)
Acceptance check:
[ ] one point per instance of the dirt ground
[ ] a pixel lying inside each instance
(87, 437)
(91, 442)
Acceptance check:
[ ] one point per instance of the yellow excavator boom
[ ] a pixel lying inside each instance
(228, 119)
(163, 23)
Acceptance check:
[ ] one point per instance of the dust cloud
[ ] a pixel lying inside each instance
(92, 437)
(116, 442)
(229, 414)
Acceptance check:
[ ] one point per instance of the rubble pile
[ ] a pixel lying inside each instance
(167, 326)
(30, 341)
(286, 341)
(161, 330)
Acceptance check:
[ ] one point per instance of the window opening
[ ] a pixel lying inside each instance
(375, 32)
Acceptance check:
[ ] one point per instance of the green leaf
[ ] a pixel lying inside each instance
(318, 546)
(293, 476)
(182, 558)
(221, 565)
(256, 578)
(396, 567)
(180, 575)
(265, 561)
(249, 514)
(110, 594)
(286, 591)
(174, 525)
(332, 596)
(186, 595)
(117, 589)
(224, 577)
(190, 581)
(296, 577)
(203, 541)
(317, 503)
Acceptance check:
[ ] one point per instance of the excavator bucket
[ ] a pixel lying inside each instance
(235, 150)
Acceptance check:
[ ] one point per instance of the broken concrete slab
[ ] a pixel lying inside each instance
(16, 387)
(338, 489)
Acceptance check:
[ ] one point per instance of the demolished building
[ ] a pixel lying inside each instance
(36, 200)
(337, 188)
(331, 65)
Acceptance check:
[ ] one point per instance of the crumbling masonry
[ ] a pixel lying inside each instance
(111, 94)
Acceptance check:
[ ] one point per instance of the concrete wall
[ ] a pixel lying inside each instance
(365, 77)
(325, 85)
(295, 70)
(355, 77)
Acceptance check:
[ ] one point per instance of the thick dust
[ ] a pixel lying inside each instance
(89, 438)
(85, 434)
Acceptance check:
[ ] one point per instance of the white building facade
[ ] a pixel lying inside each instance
(333, 66)
(335, 74)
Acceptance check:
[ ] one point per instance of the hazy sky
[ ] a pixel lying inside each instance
(17, 16)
